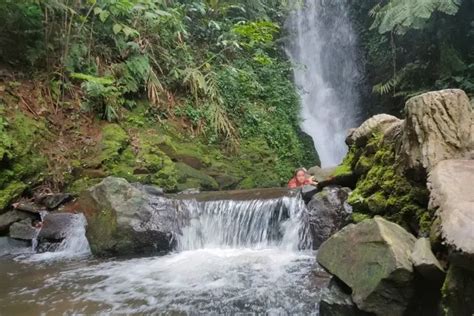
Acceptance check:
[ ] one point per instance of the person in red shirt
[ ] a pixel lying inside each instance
(300, 179)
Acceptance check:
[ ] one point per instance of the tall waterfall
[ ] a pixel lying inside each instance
(322, 47)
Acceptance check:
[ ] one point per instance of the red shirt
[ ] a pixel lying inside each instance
(293, 184)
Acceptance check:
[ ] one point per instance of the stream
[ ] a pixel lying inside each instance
(234, 257)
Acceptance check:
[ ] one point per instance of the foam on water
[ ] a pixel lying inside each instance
(233, 257)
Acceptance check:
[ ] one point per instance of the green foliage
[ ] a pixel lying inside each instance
(403, 15)
(414, 47)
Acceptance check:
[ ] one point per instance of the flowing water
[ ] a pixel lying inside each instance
(234, 257)
(323, 48)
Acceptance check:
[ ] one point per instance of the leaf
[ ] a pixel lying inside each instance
(104, 15)
(117, 28)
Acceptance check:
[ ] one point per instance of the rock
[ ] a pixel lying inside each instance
(123, 220)
(9, 246)
(337, 302)
(52, 201)
(56, 226)
(333, 176)
(452, 191)
(328, 213)
(437, 127)
(383, 123)
(425, 261)
(149, 189)
(23, 230)
(227, 182)
(9, 218)
(28, 207)
(307, 192)
(322, 174)
(189, 178)
(373, 259)
(458, 292)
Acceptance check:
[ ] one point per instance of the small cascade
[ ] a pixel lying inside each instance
(74, 244)
(246, 224)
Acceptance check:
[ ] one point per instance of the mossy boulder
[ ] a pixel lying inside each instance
(190, 178)
(124, 220)
(373, 259)
(383, 190)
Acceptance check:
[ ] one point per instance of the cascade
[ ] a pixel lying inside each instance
(234, 256)
(322, 46)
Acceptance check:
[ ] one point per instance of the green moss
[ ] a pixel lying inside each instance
(358, 217)
(114, 141)
(22, 163)
(343, 170)
(10, 192)
(80, 185)
(382, 190)
(195, 178)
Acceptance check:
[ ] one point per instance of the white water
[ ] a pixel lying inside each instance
(322, 47)
(233, 257)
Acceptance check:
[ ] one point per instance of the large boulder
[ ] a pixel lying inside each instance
(437, 127)
(373, 259)
(328, 212)
(382, 123)
(124, 220)
(452, 191)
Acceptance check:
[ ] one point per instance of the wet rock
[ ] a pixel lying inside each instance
(337, 301)
(52, 201)
(458, 292)
(149, 189)
(123, 220)
(425, 261)
(9, 246)
(333, 176)
(23, 230)
(452, 191)
(56, 226)
(437, 127)
(383, 123)
(28, 207)
(9, 218)
(328, 213)
(373, 259)
(307, 192)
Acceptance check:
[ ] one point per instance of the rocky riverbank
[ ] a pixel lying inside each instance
(418, 173)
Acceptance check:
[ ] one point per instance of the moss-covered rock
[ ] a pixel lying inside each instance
(382, 190)
(188, 178)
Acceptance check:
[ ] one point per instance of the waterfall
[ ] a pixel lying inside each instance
(251, 224)
(322, 47)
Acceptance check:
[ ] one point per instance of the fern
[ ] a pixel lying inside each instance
(402, 15)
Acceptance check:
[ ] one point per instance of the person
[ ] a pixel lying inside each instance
(300, 179)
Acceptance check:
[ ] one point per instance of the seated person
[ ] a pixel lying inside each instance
(300, 179)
